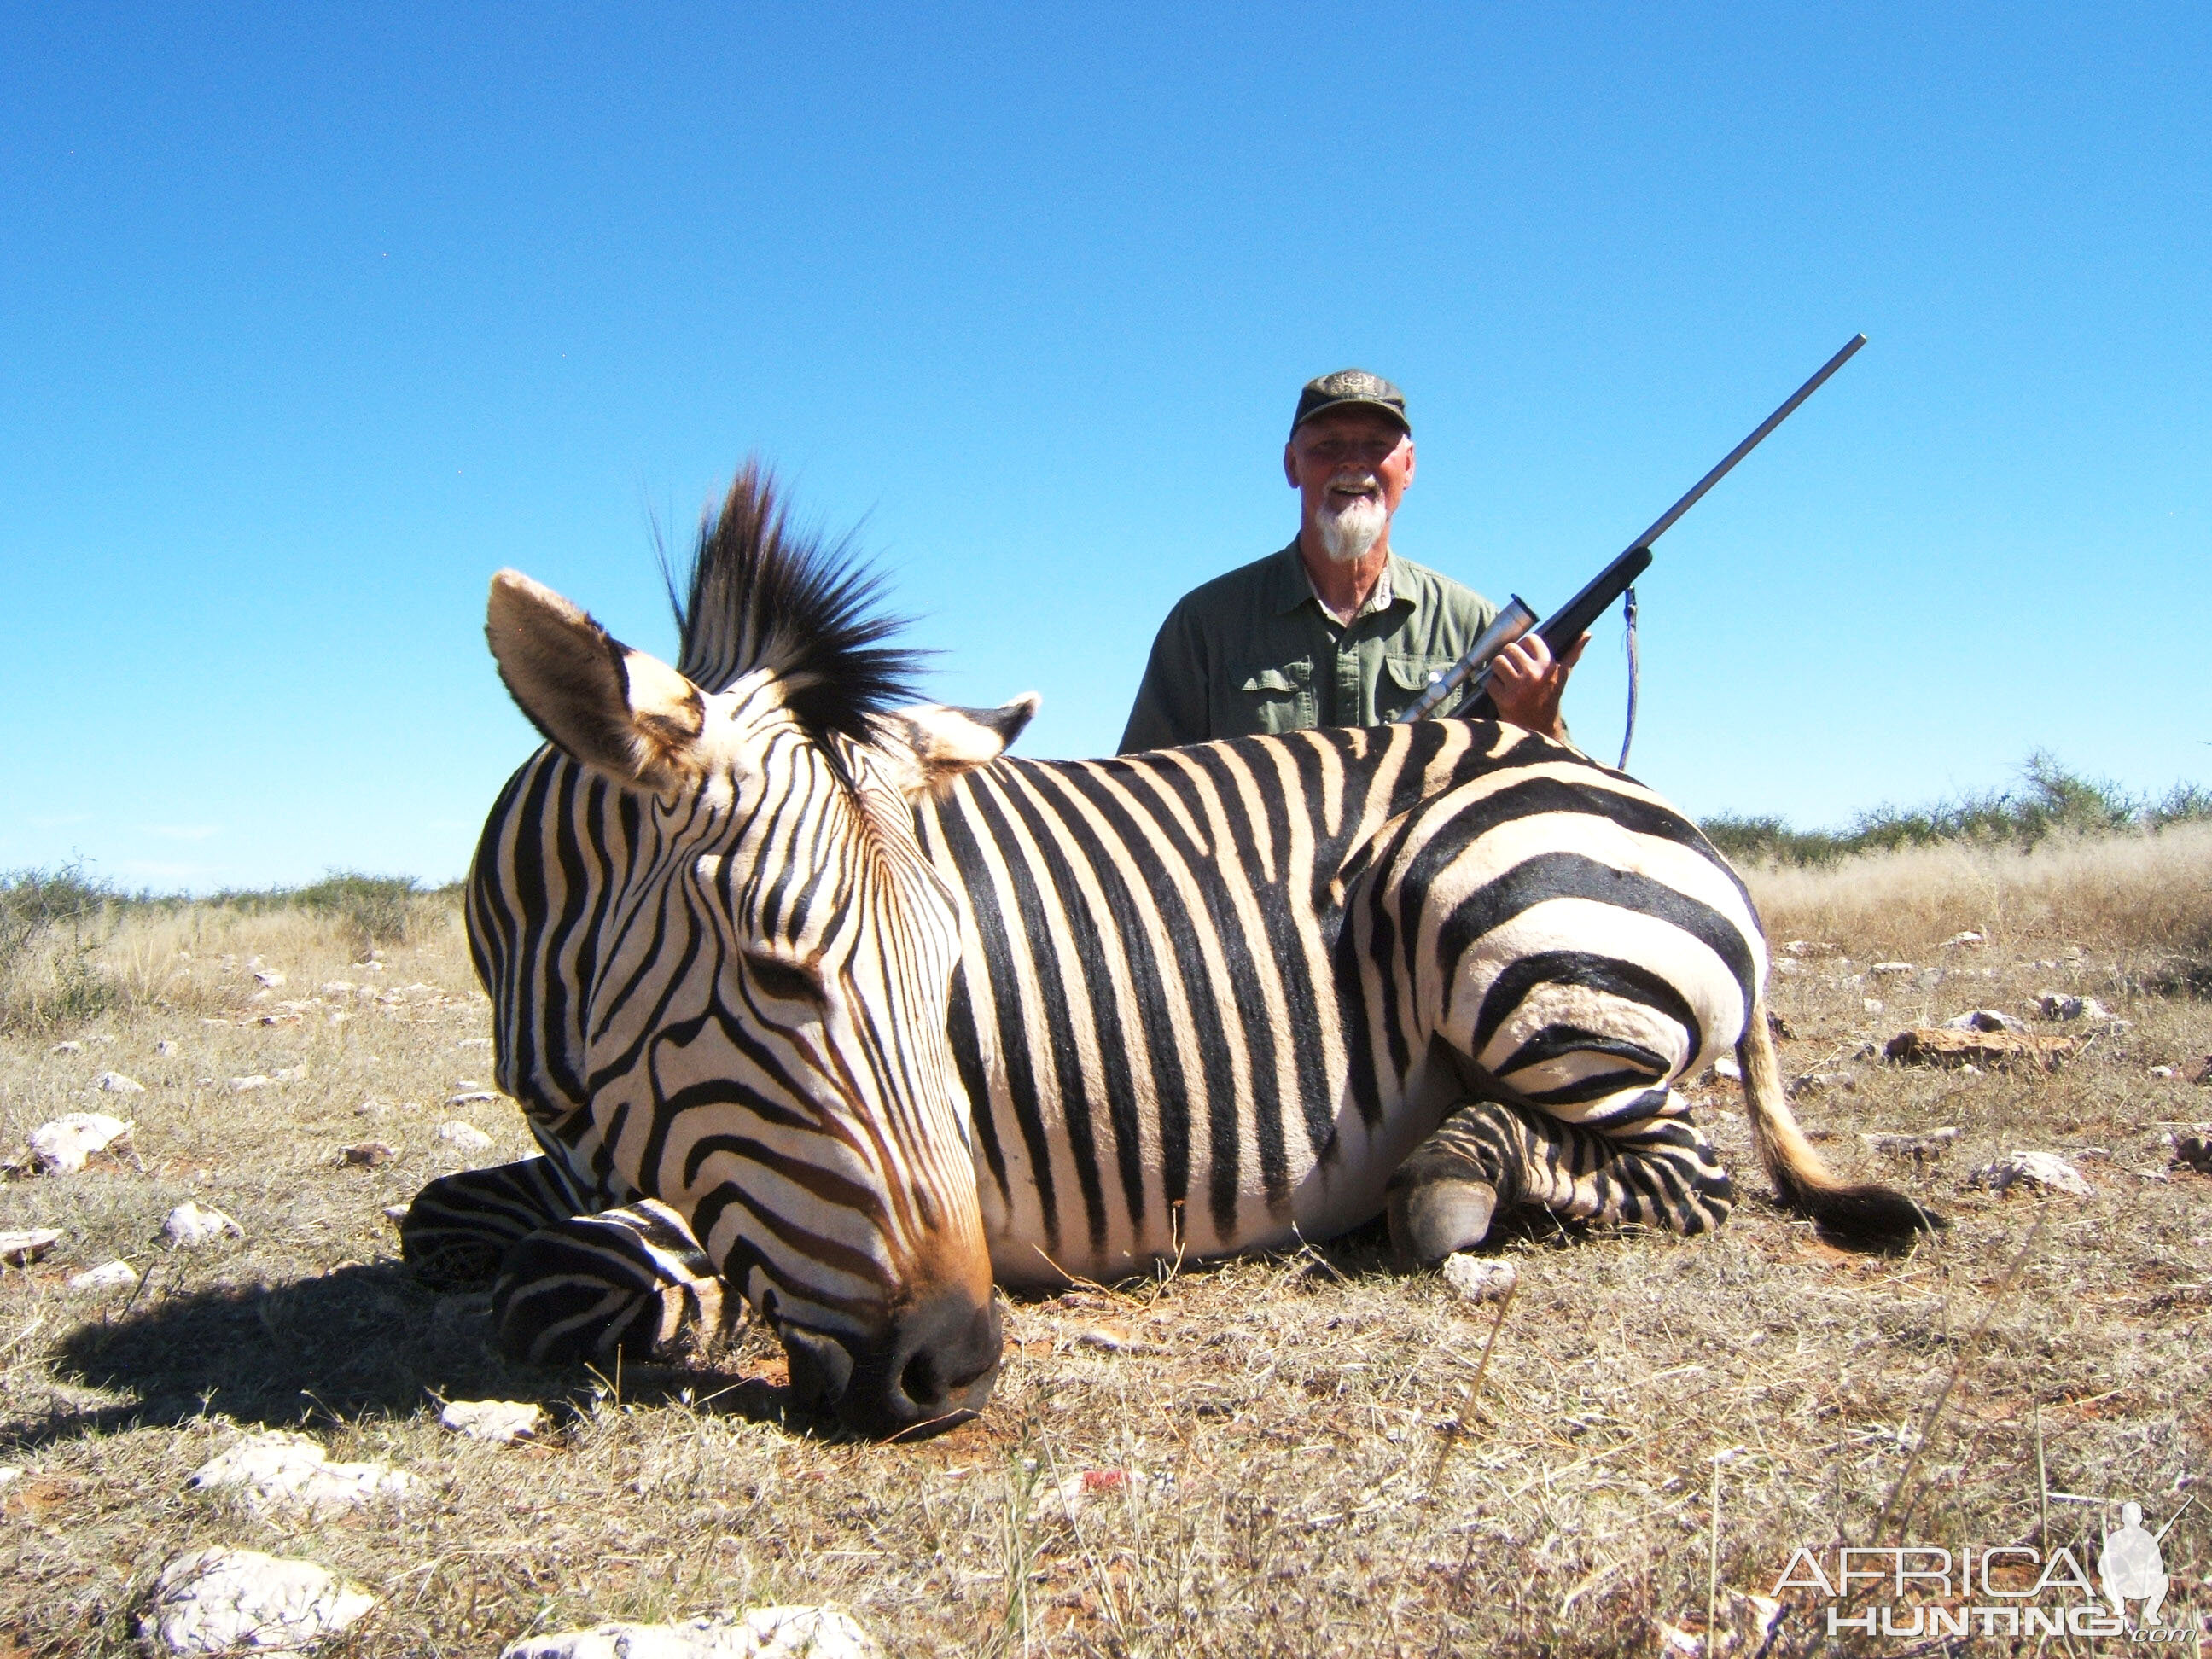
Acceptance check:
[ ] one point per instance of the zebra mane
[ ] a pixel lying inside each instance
(763, 595)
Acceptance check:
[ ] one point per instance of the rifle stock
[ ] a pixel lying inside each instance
(1570, 621)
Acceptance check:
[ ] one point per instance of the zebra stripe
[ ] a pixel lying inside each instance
(628, 1281)
(1209, 980)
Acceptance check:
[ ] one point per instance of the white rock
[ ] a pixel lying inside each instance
(373, 1107)
(165, 1047)
(1929, 1144)
(336, 987)
(1814, 1083)
(2052, 1006)
(269, 977)
(291, 1073)
(796, 1632)
(1788, 965)
(246, 1086)
(473, 1042)
(1967, 937)
(471, 1098)
(1893, 968)
(9, 1472)
(1872, 1005)
(241, 1601)
(500, 1420)
(2165, 1072)
(109, 1275)
(20, 1249)
(2033, 1171)
(279, 1470)
(466, 1136)
(116, 1083)
(68, 1048)
(1809, 947)
(397, 1211)
(62, 1146)
(1725, 1067)
(189, 1226)
(1479, 1278)
(1985, 1019)
(1931, 978)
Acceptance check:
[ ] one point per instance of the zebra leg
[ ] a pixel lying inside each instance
(1644, 1164)
(587, 1288)
(459, 1225)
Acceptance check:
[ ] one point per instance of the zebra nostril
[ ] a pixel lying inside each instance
(920, 1380)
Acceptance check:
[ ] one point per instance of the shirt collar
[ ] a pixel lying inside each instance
(1291, 586)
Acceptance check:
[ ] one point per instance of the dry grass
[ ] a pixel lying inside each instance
(1328, 1478)
(2144, 900)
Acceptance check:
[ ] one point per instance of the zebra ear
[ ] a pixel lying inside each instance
(618, 711)
(947, 741)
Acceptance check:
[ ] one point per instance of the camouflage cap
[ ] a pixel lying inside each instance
(1350, 385)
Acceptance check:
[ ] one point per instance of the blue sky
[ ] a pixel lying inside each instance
(313, 317)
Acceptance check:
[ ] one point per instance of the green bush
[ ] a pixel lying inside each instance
(2050, 800)
(378, 909)
(50, 923)
(375, 910)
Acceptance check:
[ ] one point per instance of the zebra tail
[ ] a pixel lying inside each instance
(1858, 1213)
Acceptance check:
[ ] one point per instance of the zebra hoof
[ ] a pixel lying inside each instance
(1436, 1218)
(443, 1261)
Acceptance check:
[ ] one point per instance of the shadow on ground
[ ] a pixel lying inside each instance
(375, 1341)
(360, 1341)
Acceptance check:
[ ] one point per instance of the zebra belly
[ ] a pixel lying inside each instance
(1038, 1237)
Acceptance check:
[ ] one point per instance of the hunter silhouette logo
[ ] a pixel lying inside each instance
(2131, 1564)
(2040, 1589)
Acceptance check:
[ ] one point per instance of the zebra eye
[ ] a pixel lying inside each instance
(783, 980)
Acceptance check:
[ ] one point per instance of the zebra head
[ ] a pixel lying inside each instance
(764, 1022)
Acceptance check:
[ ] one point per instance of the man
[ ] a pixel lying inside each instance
(1335, 630)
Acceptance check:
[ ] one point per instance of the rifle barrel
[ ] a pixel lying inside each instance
(1666, 520)
(1566, 624)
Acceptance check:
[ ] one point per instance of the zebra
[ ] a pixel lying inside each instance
(832, 1004)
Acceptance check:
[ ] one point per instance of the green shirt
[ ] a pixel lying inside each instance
(1253, 652)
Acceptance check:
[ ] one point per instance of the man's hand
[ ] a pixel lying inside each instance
(1526, 681)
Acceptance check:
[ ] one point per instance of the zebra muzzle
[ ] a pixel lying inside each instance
(932, 1369)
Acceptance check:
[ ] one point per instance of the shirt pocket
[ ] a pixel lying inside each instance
(1276, 699)
(1404, 678)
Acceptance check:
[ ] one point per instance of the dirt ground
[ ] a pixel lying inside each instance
(1311, 1454)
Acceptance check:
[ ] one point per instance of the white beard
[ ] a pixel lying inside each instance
(1348, 532)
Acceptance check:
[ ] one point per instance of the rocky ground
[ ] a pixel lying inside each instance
(1308, 1454)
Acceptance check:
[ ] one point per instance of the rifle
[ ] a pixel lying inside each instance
(1572, 620)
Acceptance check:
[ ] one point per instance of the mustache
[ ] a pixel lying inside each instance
(1356, 507)
(1355, 478)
